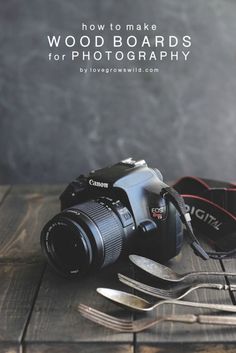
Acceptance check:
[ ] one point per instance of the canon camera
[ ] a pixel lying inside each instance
(113, 211)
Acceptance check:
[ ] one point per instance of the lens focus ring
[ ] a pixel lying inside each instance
(109, 226)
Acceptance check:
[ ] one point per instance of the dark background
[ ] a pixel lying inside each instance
(56, 123)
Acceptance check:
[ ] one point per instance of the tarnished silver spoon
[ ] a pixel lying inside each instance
(167, 274)
(134, 302)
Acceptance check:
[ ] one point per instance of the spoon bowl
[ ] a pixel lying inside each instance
(155, 269)
(167, 274)
(125, 299)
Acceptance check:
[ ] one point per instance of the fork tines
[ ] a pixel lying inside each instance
(160, 293)
(105, 319)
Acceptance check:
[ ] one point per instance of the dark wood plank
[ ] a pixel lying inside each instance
(55, 317)
(3, 191)
(71, 347)
(22, 216)
(6, 347)
(23, 212)
(18, 286)
(188, 348)
(172, 334)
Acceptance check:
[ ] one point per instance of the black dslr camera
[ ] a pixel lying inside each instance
(112, 211)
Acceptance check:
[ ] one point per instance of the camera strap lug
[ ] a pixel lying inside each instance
(177, 200)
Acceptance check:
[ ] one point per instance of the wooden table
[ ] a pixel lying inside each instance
(39, 309)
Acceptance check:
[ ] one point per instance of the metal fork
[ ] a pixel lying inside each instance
(139, 325)
(178, 292)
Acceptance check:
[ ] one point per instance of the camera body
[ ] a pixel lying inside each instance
(112, 211)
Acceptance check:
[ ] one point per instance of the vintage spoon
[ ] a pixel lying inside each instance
(177, 292)
(134, 302)
(167, 274)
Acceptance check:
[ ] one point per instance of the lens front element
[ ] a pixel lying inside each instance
(87, 236)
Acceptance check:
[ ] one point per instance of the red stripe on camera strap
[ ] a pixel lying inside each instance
(208, 207)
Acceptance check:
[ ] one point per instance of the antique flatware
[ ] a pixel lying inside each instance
(134, 302)
(177, 292)
(139, 325)
(167, 274)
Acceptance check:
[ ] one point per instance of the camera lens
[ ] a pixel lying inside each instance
(87, 236)
(69, 247)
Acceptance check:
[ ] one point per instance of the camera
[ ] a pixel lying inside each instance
(113, 211)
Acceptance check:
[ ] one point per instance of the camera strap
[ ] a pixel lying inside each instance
(208, 207)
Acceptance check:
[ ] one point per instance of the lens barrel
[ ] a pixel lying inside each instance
(87, 236)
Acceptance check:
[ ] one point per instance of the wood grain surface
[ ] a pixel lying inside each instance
(4, 189)
(38, 308)
(56, 318)
(18, 287)
(71, 347)
(23, 214)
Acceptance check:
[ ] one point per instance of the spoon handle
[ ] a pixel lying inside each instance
(221, 307)
(209, 273)
(231, 287)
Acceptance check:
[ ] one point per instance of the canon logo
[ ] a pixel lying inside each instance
(100, 184)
